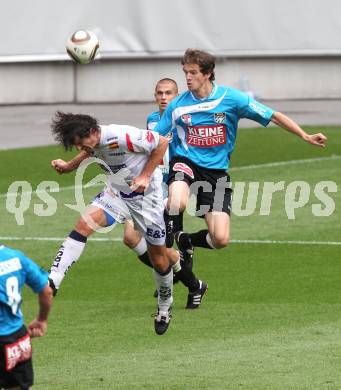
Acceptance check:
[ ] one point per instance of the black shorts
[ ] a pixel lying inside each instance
(22, 374)
(211, 186)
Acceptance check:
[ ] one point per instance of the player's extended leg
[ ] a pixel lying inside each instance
(181, 270)
(217, 219)
(196, 287)
(72, 248)
(163, 275)
(176, 204)
(133, 240)
(215, 237)
(218, 224)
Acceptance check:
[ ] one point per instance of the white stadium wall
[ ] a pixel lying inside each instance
(275, 49)
(133, 80)
(271, 78)
(36, 82)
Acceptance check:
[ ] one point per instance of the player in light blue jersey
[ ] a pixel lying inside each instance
(16, 270)
(166, 90)
(206, 118)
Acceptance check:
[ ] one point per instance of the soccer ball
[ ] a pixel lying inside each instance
(82, 46)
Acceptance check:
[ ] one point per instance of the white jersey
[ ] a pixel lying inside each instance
(126, 149)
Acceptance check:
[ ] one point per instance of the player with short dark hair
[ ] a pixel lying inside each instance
(16, 270)
(166, 89)
(206, 118)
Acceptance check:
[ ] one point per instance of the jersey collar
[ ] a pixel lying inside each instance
(210, 96)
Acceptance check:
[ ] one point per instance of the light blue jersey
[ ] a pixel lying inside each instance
(152, 121)
(16, 270)
(207, 128)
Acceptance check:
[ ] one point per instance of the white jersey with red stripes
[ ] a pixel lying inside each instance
(126, 149)
(124, 152)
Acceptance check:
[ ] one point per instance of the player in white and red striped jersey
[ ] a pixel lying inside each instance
(130, 157)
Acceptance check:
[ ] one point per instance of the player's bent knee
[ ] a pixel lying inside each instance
(160, 263)
(182, 205)
(176, 209)
(127, 241)
(221, 241)
(83, 228)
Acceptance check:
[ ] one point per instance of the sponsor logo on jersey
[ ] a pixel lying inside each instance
(257, 108)
(206, 136)
(116, 168)
(117, 154)
(112, 139)
(181, 167)
(186, 118)
(150, 136)
(113, 145)
(219, 117)
(11, 265)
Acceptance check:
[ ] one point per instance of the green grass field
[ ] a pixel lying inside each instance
(272, 316)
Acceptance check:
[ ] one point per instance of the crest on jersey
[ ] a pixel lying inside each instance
(113, 145)
(186, 118)
(219, 117)
(169, 137)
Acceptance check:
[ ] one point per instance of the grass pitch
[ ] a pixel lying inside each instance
(271, 318)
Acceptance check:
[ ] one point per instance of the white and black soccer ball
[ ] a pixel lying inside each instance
(82, 46)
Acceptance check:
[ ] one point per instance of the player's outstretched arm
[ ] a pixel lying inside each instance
(62, 166)
(287, 123)
(141, 182)
(38, 327)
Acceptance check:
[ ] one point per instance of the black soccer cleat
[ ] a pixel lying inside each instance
(184, 242)
(195, 298)
(162, 320)
(53, 287)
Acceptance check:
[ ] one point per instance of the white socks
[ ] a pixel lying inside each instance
(164, 285)
(68, 254)
(141, 247)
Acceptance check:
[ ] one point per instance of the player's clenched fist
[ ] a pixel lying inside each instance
(60, 166)
(37, 328)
